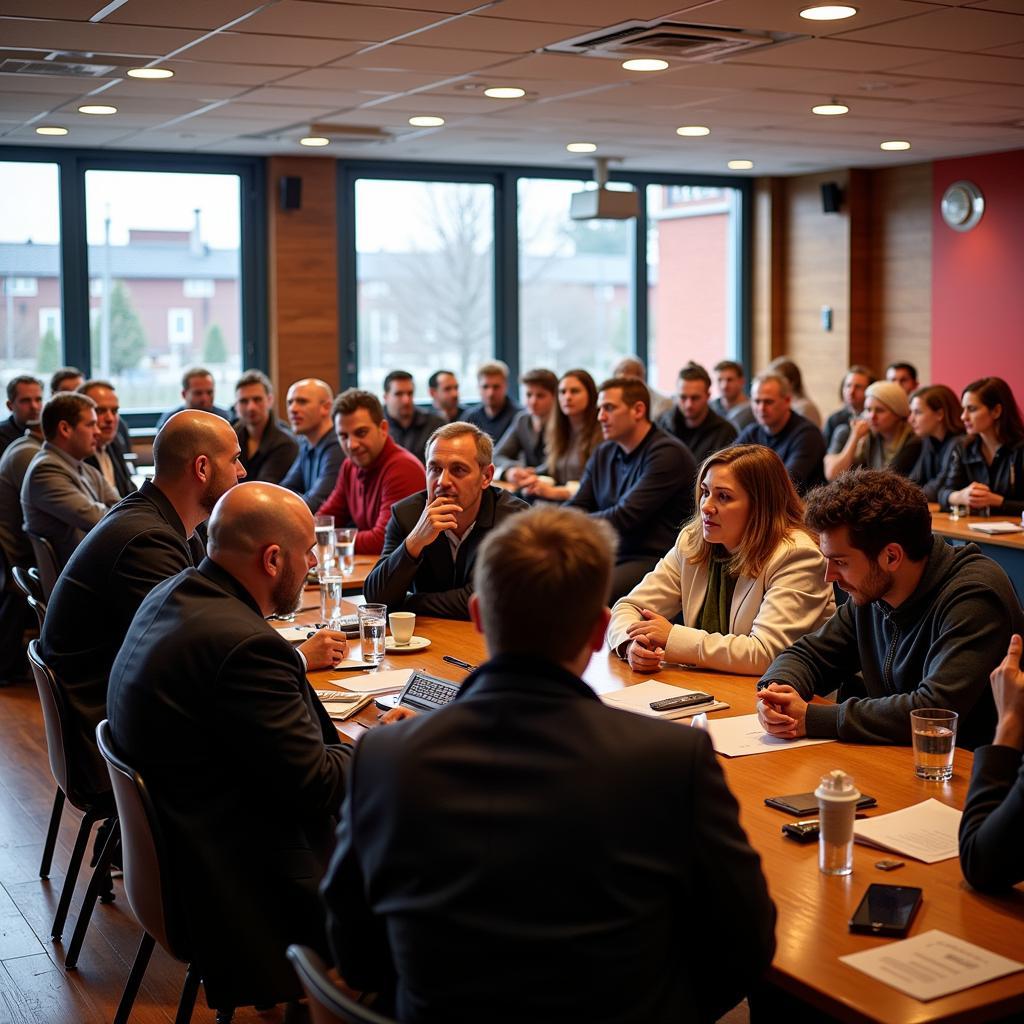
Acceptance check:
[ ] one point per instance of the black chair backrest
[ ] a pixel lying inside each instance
(54, 721)
(27, 581)
(46, 559)
(327, 1003)
(143, 851)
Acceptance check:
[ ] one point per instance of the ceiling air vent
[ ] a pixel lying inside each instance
(671, 40)
(62, 63)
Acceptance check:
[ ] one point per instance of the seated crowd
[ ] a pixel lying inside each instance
(713, 532)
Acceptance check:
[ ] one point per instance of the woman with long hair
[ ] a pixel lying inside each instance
(935, 419)
(987, 471)
(800, 403)
(880, 438)
(745, 573)
(572, 433)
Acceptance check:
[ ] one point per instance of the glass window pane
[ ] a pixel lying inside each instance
(425, 277)
(574, 282)
(164, 282)
(691, 276)
(30, 302)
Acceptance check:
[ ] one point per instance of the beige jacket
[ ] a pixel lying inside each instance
(787, 600)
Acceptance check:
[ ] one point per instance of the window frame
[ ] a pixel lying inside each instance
(72, 164)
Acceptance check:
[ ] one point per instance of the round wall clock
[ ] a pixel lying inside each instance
(962, 205)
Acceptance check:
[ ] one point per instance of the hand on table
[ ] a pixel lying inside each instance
(643, 656)
(520, 476)
(782, 711)
(653, 626)
(396, 715)
(439, 515)
(1008, 690)
(976, 495)
(324, 649)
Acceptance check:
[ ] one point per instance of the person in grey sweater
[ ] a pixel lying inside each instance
(924, 624)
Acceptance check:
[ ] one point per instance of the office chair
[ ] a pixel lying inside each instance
(147, 885)
(66, 773)
(46, 559)
(27, 581)
(327, 1003)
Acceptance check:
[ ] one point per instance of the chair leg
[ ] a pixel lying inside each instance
(74, 866)
(131, 986)
(189, 991)
(97, 884)
(51, 835)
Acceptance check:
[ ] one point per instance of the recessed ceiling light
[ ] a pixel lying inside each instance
(505, 92)
(314, 140)
(740, 165)
(645, 64)
(426, 121)
(150, 73)
(581, 147)
(832, 109)
(51, 129)
(828, 12)
(896, 145)
(97, 108)
(693, 130)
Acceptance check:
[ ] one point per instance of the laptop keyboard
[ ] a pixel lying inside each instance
(430, 690)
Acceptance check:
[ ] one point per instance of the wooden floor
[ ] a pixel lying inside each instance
(34, 987)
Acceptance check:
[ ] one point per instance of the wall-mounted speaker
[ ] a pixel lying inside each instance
(831, 197)
(291, 193)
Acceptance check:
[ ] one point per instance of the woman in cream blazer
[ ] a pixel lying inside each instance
(745, 564)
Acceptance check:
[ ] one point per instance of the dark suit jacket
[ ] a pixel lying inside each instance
(123, 483)
(529, 854)
(213, 708)
(433, 584)
(274, 455)
(141, 542)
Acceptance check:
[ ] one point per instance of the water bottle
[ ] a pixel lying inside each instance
(837, 809)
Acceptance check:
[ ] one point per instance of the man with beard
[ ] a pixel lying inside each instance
(147, 538)
(245, 770)
(923, 627)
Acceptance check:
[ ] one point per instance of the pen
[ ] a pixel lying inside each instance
(461, 664)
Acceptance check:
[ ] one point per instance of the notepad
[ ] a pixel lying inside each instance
(638, 699)
(993, 528)
(926, 831)
(375, 682)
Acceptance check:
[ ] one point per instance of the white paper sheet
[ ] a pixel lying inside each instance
(996, 528)
(926, 831)
(931, 965)
(375, 682)
(743, 735)
(638, 698)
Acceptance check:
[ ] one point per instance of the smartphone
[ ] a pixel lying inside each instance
(801, 805)
(685, 700)
(886, 910)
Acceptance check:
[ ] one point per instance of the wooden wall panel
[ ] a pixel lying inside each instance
(303, 275)
(817, 274)
(899, 313)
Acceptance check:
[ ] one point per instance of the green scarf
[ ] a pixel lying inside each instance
(714, 615)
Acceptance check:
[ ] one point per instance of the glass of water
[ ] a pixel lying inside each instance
(323, 526)
(331, 587)
(373, 621)
(345, 549)
(934, 735)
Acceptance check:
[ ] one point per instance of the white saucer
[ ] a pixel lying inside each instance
(416, 643)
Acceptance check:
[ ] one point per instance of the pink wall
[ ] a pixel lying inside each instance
(978, 276)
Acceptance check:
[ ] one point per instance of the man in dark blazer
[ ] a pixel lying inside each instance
(213, 708)
(432, 537)
(528, 853)
(109, 455)
(268, 447)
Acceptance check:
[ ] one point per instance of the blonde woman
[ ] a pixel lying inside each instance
(745, 573)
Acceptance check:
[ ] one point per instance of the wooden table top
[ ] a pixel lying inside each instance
(813, 909)
(960, 529)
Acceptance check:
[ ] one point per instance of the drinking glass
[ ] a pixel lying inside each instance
(934, 735)
(323, 527)
(331, 587)
(373, 622)
(345, 549)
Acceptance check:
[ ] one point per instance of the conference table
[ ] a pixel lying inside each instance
(813, 909)
(1007, 548)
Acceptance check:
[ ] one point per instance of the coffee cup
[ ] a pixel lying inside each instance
(402, 626)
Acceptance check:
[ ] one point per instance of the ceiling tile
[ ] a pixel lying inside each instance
(592, 13)
(88, 37)
(228, 74)
(828, 54)
(337, 20)
(50, 84)
(67, 10)
(954, 29)
(496, 34)
(438, 61)
(972, 68)
(1009, 6)
(773, 16)
(1013, 50)
(350, 79)
(239, 48)
(194, 14)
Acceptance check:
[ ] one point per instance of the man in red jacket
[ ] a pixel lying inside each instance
(375, 474)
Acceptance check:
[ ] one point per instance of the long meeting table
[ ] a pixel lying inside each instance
(813, 909)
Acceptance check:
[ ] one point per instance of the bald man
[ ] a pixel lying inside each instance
(243, 765)
(314, 472)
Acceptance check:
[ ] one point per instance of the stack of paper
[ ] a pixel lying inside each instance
(998, 527)
(927, 831)
(639, 697)
(375, 682)
(744, 734)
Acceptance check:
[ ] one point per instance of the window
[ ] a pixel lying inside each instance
(165, 280)
(30, 294)
(691, 259)
(425, 279)
(575, 282)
